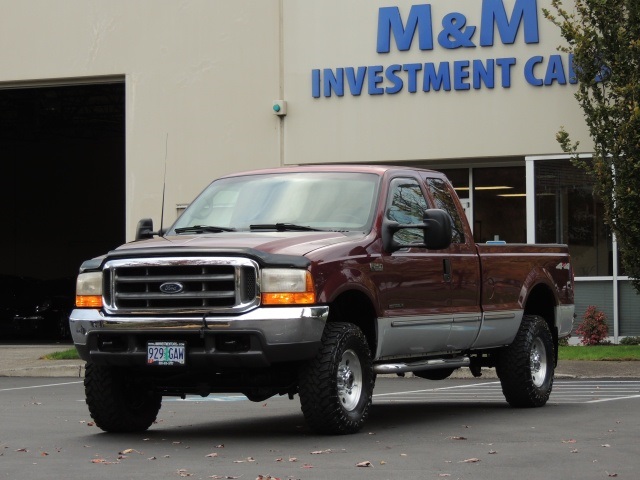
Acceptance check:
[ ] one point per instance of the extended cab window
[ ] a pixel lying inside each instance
(406, 205)
(443, 200)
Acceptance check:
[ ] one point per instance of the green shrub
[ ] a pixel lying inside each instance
(593, 329)
(630, 341)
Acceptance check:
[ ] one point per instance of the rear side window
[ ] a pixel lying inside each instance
(443, 200)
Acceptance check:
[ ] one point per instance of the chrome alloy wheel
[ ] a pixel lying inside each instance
(538, 362)
(349, 380)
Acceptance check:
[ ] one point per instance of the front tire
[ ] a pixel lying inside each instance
(526, 367)
(117, 401)
(337, 386)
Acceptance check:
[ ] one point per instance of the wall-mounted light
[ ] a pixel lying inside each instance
(279, 107)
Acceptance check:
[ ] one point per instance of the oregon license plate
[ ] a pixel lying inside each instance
(165, 353)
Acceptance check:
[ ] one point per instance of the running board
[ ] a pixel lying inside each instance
(433, 364)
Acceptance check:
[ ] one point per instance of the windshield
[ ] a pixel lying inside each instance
(285, 201)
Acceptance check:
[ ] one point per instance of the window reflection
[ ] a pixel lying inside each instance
(444, 201)
(406, 206)
(568, 212)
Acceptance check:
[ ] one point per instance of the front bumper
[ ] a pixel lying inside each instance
(256, 339)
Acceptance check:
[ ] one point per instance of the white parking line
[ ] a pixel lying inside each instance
(38, 386)
(428, 390)
(564, 392)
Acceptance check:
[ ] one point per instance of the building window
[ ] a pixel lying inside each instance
(500, 204)
(566, 211)
(498, 199)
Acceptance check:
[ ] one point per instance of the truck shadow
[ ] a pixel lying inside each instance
(257, 424)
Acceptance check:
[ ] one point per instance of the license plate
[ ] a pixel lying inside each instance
(165, 353)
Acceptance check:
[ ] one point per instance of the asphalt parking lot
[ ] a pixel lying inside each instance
(457, 428)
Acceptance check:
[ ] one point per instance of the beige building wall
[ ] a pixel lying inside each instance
(486, 122)
(201, 76)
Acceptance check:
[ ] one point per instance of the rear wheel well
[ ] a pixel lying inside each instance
(355, 307)
(541, 302)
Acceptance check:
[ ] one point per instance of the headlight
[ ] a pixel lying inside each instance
(286, 286)
(89, 290)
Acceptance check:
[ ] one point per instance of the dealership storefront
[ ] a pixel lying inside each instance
(476, 89)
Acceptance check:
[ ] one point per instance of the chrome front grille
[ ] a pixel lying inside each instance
(180, 285)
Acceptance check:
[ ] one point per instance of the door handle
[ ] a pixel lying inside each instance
(446, 267)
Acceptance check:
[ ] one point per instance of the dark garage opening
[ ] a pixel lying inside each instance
(62, 186)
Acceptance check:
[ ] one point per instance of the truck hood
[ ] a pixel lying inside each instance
(283, 243)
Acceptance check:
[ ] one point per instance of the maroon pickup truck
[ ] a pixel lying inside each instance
(311, 281)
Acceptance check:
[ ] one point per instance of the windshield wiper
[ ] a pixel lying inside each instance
(204, 228)
(284, 227)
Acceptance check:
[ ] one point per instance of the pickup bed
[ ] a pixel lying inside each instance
(310, 281)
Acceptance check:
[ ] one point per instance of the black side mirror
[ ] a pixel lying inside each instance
(144, 229)
(436, 228)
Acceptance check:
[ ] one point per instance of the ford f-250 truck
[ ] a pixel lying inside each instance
(311, 281)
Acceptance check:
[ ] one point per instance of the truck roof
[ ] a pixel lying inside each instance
(336, 167)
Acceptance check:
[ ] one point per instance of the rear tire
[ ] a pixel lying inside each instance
(337, 386)
(117, 401)
(526, 367)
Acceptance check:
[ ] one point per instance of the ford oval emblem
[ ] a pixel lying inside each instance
(171, 287)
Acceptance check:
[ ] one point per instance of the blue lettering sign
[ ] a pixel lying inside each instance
(483, 74)
(375, 79)
(573, 79)
(356, 80)
(390, 22)
(439, 79)
(390, 73)
(315, 83)
(412, 70)
(333, 82)
(555, 71)
(453, 34)
(460, 74)
(506, 72)
(494, 14)
(528, 71)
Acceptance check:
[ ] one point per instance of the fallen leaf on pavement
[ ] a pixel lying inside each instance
(470, 460)
(211, 455)
(103, 461)
(366, 463)
(128, 451)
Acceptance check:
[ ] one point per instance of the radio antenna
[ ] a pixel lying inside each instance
(164, 182)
